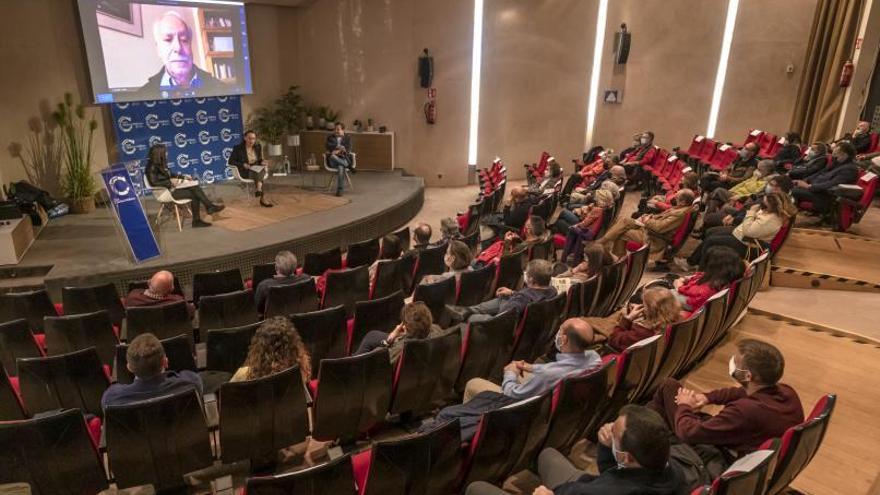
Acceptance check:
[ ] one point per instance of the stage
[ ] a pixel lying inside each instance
(87, 250)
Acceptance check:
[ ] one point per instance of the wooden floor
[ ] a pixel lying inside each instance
(818, 363)
(843, 255)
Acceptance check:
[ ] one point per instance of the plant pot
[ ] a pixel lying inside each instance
(274, 149)
(322, 123)
(293, 140)
(310, 122)
(82, 205)
(330, 126)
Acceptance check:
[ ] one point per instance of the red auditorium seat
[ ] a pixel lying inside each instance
(753, 136)
(425, 374)
(361, 253)
(227, 310)
(315, 264)
(381, 314)
(474, 285)
(347, 287)
(32, 306)
(324, 332)
(696, 147)
(284, 300)
(485, 349)
(73, 380)
(576, 405)
(16, 341)
(71, 333)
(436, 296)
(850, 211)
(724, 155)
(388, 278)
(259, 272)
(334, 477)
(749, 475)
(536, 329)
(163, 320)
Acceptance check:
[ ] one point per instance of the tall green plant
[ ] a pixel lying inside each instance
(268, 123)
(77, 132)
(41, 155)
(291, 109)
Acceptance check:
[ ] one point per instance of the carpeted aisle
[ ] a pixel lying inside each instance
(289, 201)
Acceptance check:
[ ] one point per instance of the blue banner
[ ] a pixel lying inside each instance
(130, 213)
(198, 132)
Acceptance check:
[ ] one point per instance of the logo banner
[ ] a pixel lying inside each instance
(130, 214)
(198, 132)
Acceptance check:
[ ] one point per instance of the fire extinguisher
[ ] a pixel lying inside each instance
(431, 106)
(846, 74)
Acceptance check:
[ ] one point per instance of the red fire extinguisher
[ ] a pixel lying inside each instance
(431, 106)
(846, 74)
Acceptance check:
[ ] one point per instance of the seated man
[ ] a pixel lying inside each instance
(523, 380)
(415, 323)
(751, 186)
(285, 274)
(814, 160)
(732, 217)
(146, 359)
(422, 236)
(160, 290)
(536, 233)
(612, 179)
(633, 161)
(759, 409)
(339, 157)
(859, 138)
(654, 229)
(738, 171)
(536, 287)
(632, 457)
(816, 189)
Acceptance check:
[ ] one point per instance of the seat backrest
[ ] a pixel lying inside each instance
(333, 477)
(781, 236)
(709, 147)
(362, 253)
(342, 415)
(507, 440)
(143, 284)
(800, 443)
(316, 264)
(11, 407)
(74, 380)
(403, 236)
(679, 339)
(612, 278)
(760, 267)
(427, 463)
(472, 240)
(714, 312)
(232, 309)
(474, 285)
(79, 300)
(262, 416)
(430, 262)
(573, 297)
(32, 306)
(260, 272)
(748, 475)
(537, 327)
(407, 270)
(576, 401)
(637, 364)
(486, 348)
(53, 454)
(590, 295)
(163, 320)
(178, 350)
(636, 263)
(542, 250)
(388, 279)
(436, 296)
(740, 297)
(212, 283)
(510, 270)
(16, 341)
(425, 373)
(696, 146)
(80, 331)
(227, 348)
(138, 445)
(682, 233)
(346, 287)
(290, 299)
(324, 333)
(381, 314)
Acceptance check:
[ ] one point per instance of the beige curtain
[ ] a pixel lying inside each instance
(832, 41)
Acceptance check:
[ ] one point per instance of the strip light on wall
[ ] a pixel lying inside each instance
(598, 46)
(732, 7)
(476, 60)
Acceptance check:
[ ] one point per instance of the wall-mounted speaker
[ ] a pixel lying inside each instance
(622, 40)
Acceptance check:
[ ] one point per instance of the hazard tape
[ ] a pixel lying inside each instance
(824, 276)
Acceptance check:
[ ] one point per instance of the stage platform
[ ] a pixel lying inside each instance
(87, 250)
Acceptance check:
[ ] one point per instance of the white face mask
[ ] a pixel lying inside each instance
(643, 140)
(756, 174)
(616, 452)
(732, 369)
(557, 341)
(768, 189)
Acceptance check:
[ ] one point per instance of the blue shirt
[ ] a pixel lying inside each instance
(150, 388)
(545, 376)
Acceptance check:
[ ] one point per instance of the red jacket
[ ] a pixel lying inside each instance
(746, 420)
(627, 333)
(695, 294)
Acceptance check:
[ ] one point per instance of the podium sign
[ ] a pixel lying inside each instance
(130, 214)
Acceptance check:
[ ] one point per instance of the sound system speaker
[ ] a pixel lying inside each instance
(622, 40)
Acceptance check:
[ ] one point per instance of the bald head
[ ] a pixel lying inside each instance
(575, 335)
(422, 233)
(618, 171)
(162, 283)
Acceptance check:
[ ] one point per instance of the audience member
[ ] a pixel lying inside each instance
(160, 290)
(422, 236)
(632, 459)
(536, 233)
(596, 257)
(758, 409)
(659, 309)
(285, 274)
(730, 215)
(632, 162)
(689, 180)
(654, 229)
(859, 138)
(814, 160)
(536, 287)
(611, 180)
(739, 170)
(747, 188)
(457, 260)
(390, 250)
(449, 229)
(275, 347)
(590, 221)
(789, 152)
(550, 182)
(723, 266)
(760, 225)
(145, 359)
(415, 323)
(816, 189)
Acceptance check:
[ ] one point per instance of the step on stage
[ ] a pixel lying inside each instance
(87, 250)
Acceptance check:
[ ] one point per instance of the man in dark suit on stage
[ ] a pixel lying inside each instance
(174, 44)
(339, 156)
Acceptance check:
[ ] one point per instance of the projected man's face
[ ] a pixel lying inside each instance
(174, 43)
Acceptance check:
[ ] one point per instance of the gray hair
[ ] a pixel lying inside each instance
(170, 13)
(539, 272)
(285, 263)
(449, 228)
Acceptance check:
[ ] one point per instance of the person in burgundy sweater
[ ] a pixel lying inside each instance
(759, 409)
(658, 310)
(160, 290)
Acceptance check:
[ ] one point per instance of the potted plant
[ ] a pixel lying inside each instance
(42, 155)
(269, 126)
(332, 118)
(77, 131)
(322, 117)
(292, 111)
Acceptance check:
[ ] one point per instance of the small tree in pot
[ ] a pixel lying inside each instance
(77, 131)
(293, 111)
(269, 124)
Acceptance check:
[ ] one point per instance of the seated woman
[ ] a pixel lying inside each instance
(415, 323)
(180, 186)
(596, 257)
(760, 225)
(591, 219)
(658, 310)
(390, 250)
(247, 156)
(723, 266)
(536, 233)
(275, 347)
(661, 202)
(457, 260)
(551, 181)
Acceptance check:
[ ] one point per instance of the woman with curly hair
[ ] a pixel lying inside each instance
(276, 346)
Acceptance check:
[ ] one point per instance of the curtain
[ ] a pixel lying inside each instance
(820, 97)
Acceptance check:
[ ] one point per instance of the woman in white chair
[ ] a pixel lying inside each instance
(247, 155)
(181, 186)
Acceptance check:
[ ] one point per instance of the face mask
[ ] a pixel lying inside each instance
(756, 174)
(448, 260)
(616, 452)
(768, 189)
(743, 153)
(557, 341)
(643, 140)
(732, 369)
(811, 154)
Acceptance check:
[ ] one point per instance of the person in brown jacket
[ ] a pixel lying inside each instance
(654, 229)
(759, 409)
